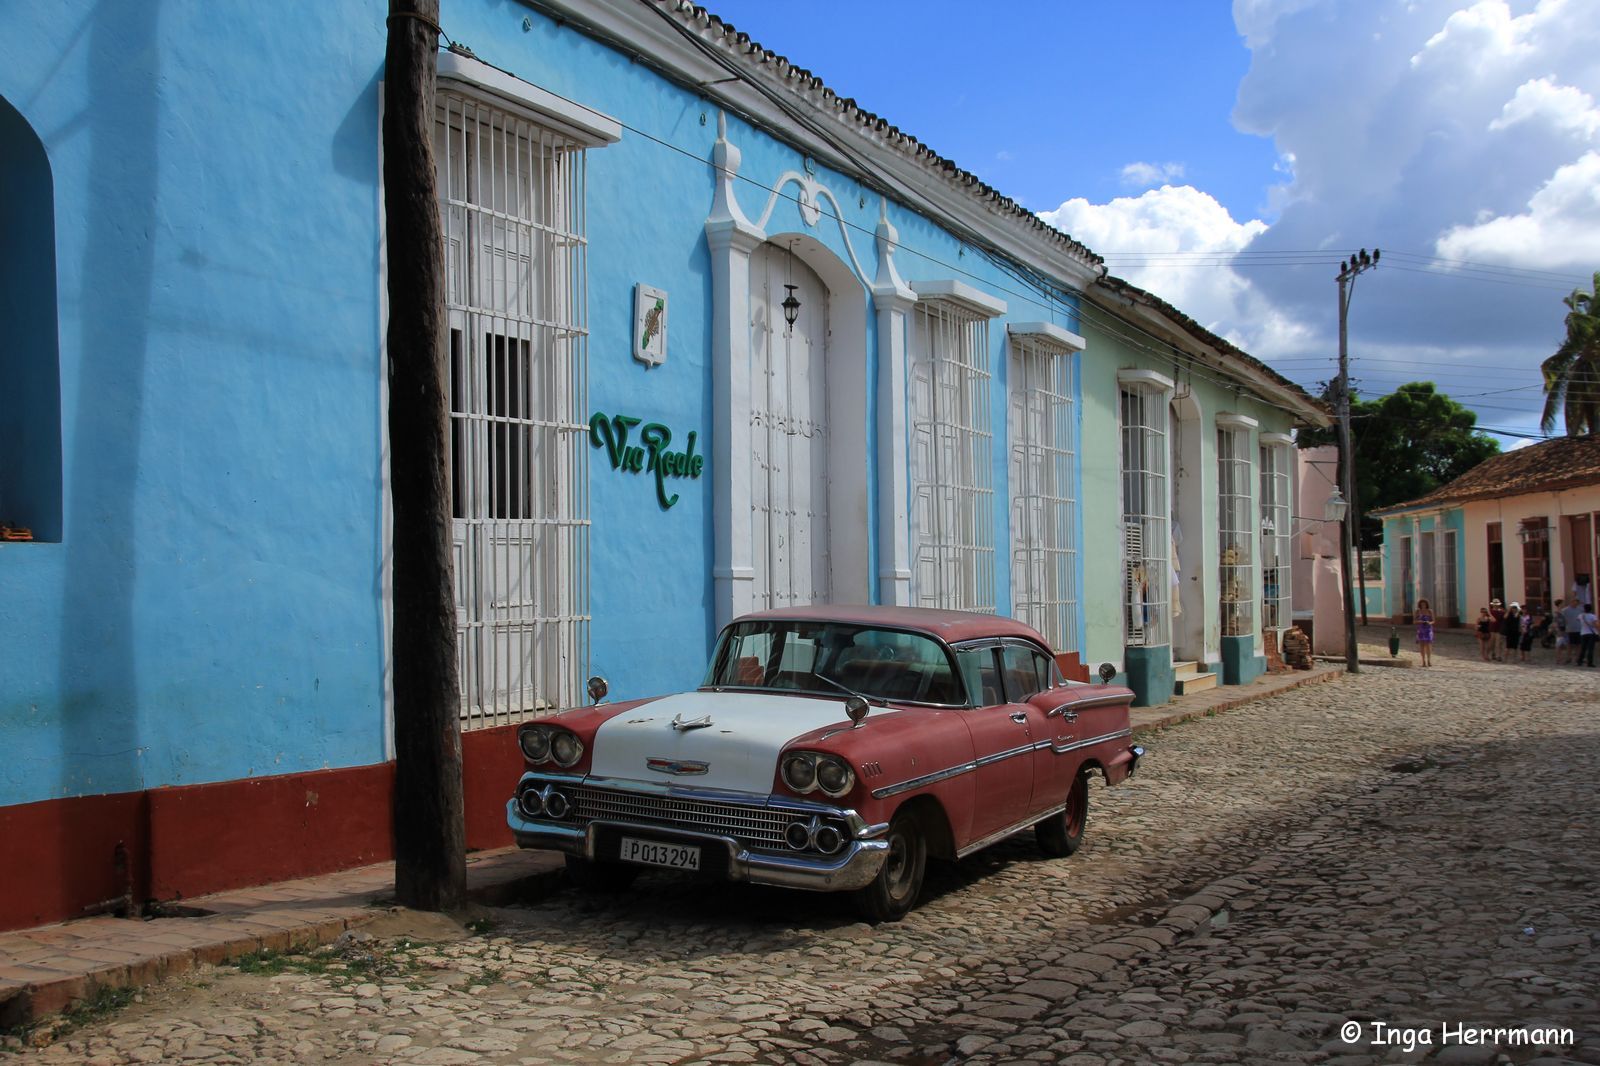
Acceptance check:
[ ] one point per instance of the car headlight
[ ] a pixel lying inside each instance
(566, 748)
(834, 776)
(535, 741)
(800, 772)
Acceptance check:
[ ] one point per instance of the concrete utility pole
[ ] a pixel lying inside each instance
(1347, 459)
(430, 871)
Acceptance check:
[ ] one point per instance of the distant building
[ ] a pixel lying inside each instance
(1520, 527)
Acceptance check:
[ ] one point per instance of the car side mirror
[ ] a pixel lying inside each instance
(855, 708)
(598, 689)
(1107, 672)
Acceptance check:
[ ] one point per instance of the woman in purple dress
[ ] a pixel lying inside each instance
(1424, 618)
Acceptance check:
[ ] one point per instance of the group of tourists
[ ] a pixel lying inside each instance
(1504, 631)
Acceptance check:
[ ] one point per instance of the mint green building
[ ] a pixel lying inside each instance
(1188, 466)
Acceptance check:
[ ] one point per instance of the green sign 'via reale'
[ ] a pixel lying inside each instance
(650, 456)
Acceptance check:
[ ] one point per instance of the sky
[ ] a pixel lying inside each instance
(1228, 160)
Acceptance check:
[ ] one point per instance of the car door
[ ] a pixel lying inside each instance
(1026, 671)
(1002, 746)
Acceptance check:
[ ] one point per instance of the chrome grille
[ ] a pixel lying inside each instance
(756, 827)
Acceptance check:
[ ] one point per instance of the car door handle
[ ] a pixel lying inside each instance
(1019, 716)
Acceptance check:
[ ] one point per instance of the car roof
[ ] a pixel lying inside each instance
(949, 626)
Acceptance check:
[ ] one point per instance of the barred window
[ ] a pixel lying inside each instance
(1043, 439)
(1146, 538)
(952, 468)
(1276, 561)
(511, 197)
(1235, 536)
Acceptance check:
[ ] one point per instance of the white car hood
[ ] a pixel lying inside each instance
(739, 748)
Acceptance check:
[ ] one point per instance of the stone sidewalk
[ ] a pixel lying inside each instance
(45, 970)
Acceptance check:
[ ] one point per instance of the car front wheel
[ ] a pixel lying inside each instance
(894, 891)
(1061, 834)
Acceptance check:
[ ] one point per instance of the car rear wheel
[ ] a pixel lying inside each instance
(894, 891)
(1061, 834)
(592, 876)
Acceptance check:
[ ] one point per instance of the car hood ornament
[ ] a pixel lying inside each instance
(682, 726)
(677, 767)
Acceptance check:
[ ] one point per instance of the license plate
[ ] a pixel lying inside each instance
(652, 853)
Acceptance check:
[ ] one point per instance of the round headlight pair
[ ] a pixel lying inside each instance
(542, 743)
(806, 771)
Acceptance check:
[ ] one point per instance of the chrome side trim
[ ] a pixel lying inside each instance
(1062, 749)
(999, 835)
(955, 771)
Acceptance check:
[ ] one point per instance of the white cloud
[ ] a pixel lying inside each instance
(1563, 107)
(1139, 236)
(1560, 228)
(1148, 175)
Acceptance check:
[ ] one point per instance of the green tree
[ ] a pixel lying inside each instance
(1572, 375)
(1407, 444)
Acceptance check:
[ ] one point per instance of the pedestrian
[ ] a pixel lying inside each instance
(1558, 618)
(1510, 632)
(1497, 637)
(1485, 637)
(1591, 632)
(1572, 619)
(1530, 625)
(1424, 619)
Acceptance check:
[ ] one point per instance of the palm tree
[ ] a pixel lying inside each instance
(1572, 375)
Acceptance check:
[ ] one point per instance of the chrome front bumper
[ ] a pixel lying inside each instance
(853, 866)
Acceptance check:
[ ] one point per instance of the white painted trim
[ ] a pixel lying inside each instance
(1233, 421)
(1268, 440)
(385, 491)
(1069, 340)
(1148, 378)
(959, 292)
(583, 124)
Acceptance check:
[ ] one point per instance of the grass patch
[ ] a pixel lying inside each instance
(356, 963)
(481, 925)
(103, 1002)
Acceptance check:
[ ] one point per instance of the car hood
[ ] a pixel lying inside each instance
(738, 749)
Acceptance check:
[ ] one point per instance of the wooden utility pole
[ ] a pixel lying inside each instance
(429, 821)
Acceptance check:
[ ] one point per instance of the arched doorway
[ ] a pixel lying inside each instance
(790, 523)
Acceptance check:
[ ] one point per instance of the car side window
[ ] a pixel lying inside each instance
(1026, 671)
(982, 675)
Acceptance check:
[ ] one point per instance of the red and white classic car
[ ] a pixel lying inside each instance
(830, 748)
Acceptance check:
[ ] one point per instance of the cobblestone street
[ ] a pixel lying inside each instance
(1405, 850)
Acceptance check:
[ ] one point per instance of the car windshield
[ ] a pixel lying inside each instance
(833, 659)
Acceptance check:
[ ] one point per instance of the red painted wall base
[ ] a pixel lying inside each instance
(59, 859)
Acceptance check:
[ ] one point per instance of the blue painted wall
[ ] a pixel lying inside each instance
(213, 608)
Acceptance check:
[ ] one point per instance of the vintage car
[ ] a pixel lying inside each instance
(830, 748)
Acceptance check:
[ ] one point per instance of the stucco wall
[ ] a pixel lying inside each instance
(214, 608)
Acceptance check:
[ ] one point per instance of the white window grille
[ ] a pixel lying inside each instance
(1147, 541)
(1043, 436)
(1447, 607)
(512, 199)
(952, 459)
(1235, 536)
(1276, 560)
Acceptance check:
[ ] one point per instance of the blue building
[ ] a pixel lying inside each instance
(719, 339)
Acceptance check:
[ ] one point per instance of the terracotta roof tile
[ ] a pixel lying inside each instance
(1550, 466)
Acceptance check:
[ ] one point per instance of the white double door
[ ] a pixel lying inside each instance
(789, 526)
